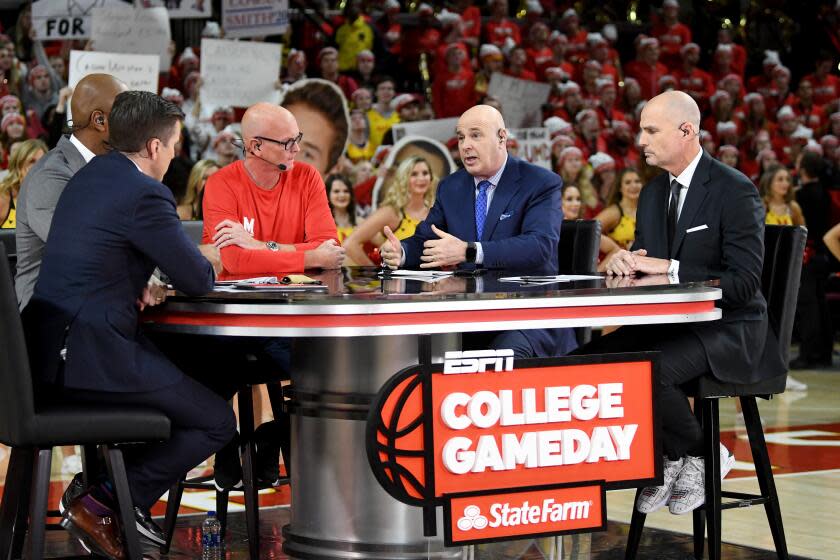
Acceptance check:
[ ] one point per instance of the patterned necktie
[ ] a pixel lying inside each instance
(481, 208)
(672, 212)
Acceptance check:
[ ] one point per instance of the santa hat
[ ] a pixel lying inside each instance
(225, 112)
(365, 55)
(569, 87)
(447, 18)
(670, 4)
(601, 162)
(726, 126)
(567, 152)
(802, 133)
(533, 7)
(648, 42)
(187, 55)
(723, 48)
(562, 140)
(604, 83)
(172, 94)
(835, 117)
(557, 38)
(727, 149)
(610, 32)
(592, 63)
(667, 81)
(8, 99)
(812, 146)
(425, 8)
(718, 96)
(297, 56)
(752, 97)
(404, 99)
(731, 78)
(555, 73)
(490, 51)
(781, 71)
(212, 29)
(690, 47)
(556, 125)
(323, 52)
(764, 154)
(392, 6)
(570, 13)
(829, 141)
(10, 118)
(785, 113)
(585, 114)
(771, 58)
(595, 39)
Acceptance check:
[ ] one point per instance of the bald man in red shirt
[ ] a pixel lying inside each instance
(269, 213)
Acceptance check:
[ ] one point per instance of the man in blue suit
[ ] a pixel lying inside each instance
(115, 222)
(497, 212)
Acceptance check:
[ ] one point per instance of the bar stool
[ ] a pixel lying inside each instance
(257, 374)
(783, 250)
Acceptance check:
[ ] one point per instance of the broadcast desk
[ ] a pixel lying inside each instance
(353, 338)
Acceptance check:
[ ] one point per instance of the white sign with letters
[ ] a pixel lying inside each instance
(124, 29)
(138, 71)
(254, 18)
(439, 129)
(66, 19)
(534, 145)
(182, 9)
(239, 73)
(522, 100)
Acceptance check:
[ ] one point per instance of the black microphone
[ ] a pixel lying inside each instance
(241, 145)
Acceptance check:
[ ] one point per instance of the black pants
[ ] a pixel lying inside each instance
(813, 321)
(201, 423)
(683, 359)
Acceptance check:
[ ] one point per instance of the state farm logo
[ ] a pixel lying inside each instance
(507, 515)
(478, 361)
(472, 519)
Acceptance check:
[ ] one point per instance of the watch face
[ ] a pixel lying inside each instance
(272, 245)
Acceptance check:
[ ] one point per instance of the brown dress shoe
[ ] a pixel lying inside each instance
(99, 534)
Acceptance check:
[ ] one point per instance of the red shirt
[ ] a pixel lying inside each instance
(539, 60)
(453, 93)
(826, 90)
(698, 84)
(523, 74)
(498, 31)
(294, 212)
(672, 39)
(647, 76)
(471, 22)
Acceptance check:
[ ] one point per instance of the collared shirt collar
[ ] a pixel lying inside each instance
(86, 153)
(685, 177)
(494, 180)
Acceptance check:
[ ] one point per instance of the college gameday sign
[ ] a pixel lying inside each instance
(516, 448)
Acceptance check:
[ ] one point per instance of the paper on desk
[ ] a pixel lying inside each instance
(247, 281)
(421, 275)
(549, 279)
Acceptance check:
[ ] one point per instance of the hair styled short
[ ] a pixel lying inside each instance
(139, 116)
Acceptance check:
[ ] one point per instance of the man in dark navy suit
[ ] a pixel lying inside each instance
(113, 224)
(497, 212)
(700, 220)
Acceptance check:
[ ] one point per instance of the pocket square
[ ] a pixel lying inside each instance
(698, 228)
(505, 216)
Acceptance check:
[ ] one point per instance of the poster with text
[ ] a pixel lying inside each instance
(182, 9)
(533, 144)
(239, 73)
(254, 18)
(66, 19)
(439, 129)
(522, 100)
(125, 29)
(138, 71)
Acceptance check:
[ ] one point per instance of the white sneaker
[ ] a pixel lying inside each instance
(690, 487)
(654, 497)
(795, 385)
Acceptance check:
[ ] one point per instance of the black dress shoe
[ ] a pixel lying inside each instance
(227, 470)
(73, 491)
(147, 527)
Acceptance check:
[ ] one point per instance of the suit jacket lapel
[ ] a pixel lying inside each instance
(507, 187)
(697, 192)
(71, 153)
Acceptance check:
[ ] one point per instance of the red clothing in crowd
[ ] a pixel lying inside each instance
(523, 74)
(825, 90)
(814, 116)
(739, 59)
(578, 48)
(471, 22)
(698, 84)
(672, 39)
(453, 93)
(295, 212)
(647, 76)
(539, 60)
(498, 31)
(607, 117)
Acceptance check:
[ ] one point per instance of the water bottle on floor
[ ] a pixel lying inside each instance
(211, 538)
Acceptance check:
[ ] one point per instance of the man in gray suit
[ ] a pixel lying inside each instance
(91, 104)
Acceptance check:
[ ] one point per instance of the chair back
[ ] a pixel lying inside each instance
(578, 248)
(783, 251)
(17, 407)
(194, 230)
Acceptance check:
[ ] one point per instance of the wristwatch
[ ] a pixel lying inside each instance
(471, 252)
(272, 246)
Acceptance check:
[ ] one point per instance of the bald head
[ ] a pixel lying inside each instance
(677, 106)
(482, 140)
(670, 136)
(272, 121)
(90, 107)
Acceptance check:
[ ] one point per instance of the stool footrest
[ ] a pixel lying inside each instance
(757, 501)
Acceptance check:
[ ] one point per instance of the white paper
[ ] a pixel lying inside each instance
(254, 18)
(183, 9)
(438, 129)
(138, 71)
(239, 73)
(123, 29)
(62, 19)
(522, 100)
(549, 279)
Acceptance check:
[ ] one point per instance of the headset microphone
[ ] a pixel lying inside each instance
(241, 145)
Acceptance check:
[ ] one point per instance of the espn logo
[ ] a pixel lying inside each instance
(478, 361)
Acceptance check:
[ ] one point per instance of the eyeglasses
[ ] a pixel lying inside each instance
(285, 143)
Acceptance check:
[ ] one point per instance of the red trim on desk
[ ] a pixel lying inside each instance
(435, 317)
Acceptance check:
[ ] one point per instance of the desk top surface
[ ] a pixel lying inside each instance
(360, 303)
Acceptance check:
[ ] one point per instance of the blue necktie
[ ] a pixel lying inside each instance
(481, 208)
